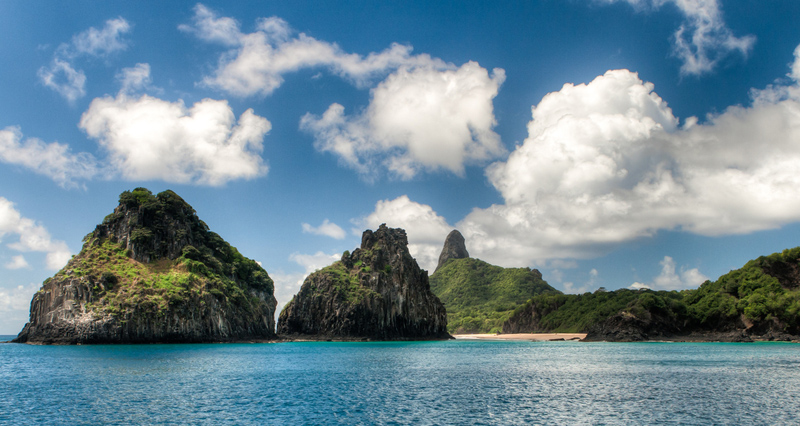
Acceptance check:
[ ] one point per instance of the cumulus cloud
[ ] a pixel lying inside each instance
(425, 229)
(257, 61)
(147, 138)
(418, 119)
(672, 279)
(607, 162)
(327, 228)
(62, 76)
(703, 39)
(53, 160)
(17, 262)
(32, 237)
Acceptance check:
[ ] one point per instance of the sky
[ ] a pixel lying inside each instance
(607, 143)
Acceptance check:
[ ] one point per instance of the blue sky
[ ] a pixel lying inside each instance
(606, 142)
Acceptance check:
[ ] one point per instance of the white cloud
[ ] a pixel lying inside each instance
(64, 79)
(425, 229)
(327, 228)
(62, 76)
(670, 279)
(606, 162)
(418, 119)
(703, 39)
(148, 138)
(99, 43)
(135, 78)
(53, 160)
(17, 262)
(32, 237)
(258, 60)
(572, 288)
(18, 298)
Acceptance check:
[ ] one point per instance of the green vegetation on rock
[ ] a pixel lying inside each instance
(762, 297)
(479, 297)
(123, 285)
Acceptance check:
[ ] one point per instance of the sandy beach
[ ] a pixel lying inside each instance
(523, 336)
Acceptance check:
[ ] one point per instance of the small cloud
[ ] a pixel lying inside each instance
(32, 237)
(134, 79)
(703, 39)
(673, 278)
(17, 262)
(53, 160)
(327, 228)
(63, 77)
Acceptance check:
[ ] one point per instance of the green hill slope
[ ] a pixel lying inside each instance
(761, 300)
(479, 297)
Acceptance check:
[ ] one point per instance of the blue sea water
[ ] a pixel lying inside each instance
(453, 382)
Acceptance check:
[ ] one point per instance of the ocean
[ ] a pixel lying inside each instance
(460, 382)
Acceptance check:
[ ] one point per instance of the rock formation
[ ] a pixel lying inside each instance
(454, 248)
(153, 272)
(479, 296)
(378, 292)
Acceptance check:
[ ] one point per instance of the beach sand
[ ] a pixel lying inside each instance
(523, 336)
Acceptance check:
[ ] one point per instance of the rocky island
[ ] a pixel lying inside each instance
(377, 292)
(153, 272)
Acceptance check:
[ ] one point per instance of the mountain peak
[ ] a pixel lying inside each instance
(454, 248)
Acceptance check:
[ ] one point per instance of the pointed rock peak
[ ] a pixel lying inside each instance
(454, 248)
(385, 237)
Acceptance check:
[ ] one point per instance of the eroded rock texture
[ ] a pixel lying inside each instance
(153, 272)
(378, 292)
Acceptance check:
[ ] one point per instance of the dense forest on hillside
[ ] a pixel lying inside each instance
(479, 297)
(761, 299)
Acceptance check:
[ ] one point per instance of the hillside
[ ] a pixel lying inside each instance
(479, 297)
(153, 272)
(760, 301)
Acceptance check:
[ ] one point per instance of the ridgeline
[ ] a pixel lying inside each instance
(760, 301)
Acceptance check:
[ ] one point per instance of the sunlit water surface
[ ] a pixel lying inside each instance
(454, 382)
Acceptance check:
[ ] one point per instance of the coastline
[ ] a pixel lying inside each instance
(535, 337)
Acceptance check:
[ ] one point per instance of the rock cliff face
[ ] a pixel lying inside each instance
(153, 272)
(454, 248)
(378, 292)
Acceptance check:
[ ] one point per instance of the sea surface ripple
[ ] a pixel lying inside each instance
(393, 383)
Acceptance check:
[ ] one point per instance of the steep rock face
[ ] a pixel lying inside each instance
(454, 248)
(153, 272)
(378, 292)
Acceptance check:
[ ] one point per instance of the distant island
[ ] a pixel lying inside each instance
(152, 272)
